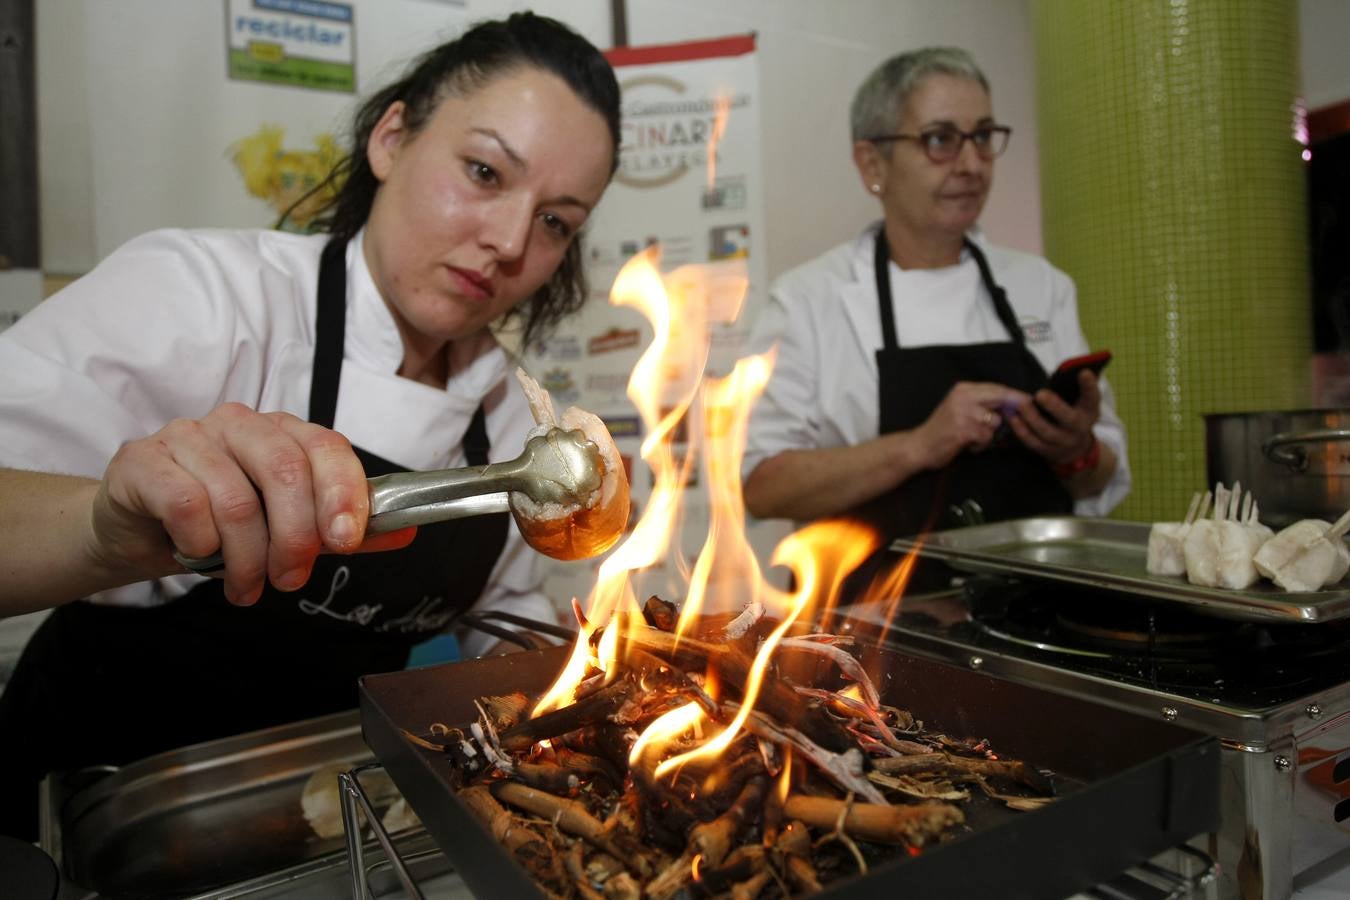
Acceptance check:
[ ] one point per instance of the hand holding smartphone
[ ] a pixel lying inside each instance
(1064, 381)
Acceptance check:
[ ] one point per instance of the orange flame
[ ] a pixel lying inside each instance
(668, 387)
(721, 111)
(663, 385)
(727, 571)
(784, 786)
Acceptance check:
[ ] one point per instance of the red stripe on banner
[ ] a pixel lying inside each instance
(661, 53)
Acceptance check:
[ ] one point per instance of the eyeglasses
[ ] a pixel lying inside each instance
(944, 143)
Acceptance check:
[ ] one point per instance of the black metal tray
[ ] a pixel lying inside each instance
(1140, 786)
(1111, 554)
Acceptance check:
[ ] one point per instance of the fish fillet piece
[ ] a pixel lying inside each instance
(1167, 540)
(1307, 556)
(1167, 548)
(1238, 543)
(1201, 550)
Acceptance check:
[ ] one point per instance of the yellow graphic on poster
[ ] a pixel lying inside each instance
(287, 179)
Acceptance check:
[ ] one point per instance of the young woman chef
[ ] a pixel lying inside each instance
(273, 374)
(902, 352)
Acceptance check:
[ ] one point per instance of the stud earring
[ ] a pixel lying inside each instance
(876, 188)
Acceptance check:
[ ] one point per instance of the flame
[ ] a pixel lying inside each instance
(726, 552)
(820, 555)
(852, 692)
(709, 417)
(663, 386)
(666, 729)
(887, 590)
(721, 112)
(784, 785)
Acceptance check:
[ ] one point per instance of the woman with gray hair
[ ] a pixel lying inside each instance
(910, 387)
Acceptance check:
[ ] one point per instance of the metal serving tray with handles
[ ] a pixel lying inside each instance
(216, 820)
(1121, 801)
(1110, 554)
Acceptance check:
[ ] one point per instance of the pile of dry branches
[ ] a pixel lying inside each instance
(867, 781)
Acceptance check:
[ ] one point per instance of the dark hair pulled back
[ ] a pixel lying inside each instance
(484, 52)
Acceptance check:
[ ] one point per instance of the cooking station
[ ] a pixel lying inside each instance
(1175, 713)
(1063, 604)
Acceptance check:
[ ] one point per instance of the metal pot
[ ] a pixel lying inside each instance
(1295, 463)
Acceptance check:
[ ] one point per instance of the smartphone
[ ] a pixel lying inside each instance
(1064, 380)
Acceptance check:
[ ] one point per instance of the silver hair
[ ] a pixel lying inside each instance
(879, 101)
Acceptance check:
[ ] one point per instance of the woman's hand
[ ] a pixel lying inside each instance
(967, 418)
(1065, 435)
(268, 490)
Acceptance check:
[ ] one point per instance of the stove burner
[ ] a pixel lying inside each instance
(1149, 643)
(1160, 630)
(1075, 628)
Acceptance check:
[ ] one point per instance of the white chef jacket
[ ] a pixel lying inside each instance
(175, 323)
(823, 317)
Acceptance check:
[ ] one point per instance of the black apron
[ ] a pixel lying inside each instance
(109, 685)
(1005, 480)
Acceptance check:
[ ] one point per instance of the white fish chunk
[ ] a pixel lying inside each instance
(1167, 540)
(1307, 556)
(1166, 548)
(1201, 550)
(1238, 543)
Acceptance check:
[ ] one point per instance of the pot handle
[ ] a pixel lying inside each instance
(1277, 447)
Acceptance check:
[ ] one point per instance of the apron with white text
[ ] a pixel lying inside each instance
(108, 685)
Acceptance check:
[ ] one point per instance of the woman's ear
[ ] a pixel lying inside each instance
(871, 167)
(386, 139)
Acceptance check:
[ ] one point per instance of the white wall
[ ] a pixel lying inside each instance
(1324, 29)
(812, 56)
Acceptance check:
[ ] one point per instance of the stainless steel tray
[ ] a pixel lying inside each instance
(217, 819)
(1110, 554)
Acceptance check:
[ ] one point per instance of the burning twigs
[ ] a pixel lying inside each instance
(660, 782)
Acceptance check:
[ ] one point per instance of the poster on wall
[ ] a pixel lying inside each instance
(303, 43)
(688, 186)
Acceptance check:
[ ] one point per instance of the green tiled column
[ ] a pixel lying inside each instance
(1173, 195)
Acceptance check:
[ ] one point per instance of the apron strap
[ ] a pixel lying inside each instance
(881, 261)
(330, 327)
(996, 291)
(476, 444)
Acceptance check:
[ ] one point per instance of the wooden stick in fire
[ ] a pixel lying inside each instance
(963, 766)
(882, 823)
(522, 843)
(570, 816)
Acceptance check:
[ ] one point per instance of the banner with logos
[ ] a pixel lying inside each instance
(690, 183)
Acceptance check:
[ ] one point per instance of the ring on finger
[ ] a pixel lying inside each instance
(990, 417)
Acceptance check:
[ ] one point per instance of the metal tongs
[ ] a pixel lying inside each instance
(556, 467)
